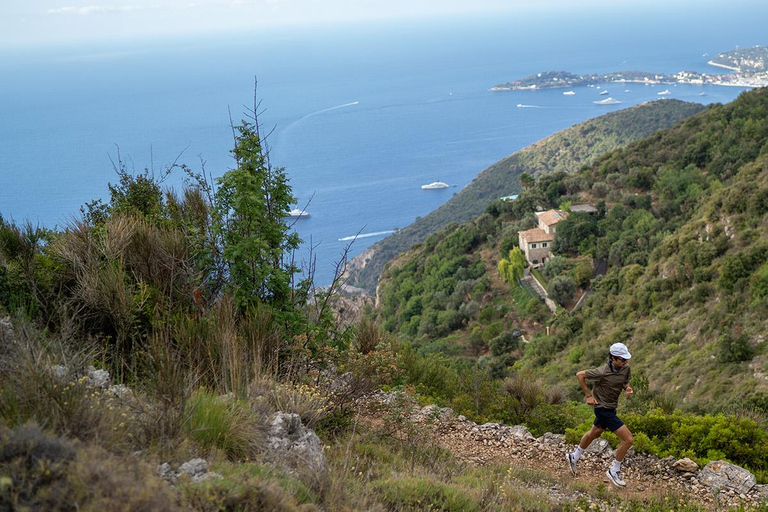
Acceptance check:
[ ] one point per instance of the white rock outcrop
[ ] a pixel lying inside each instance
(719, 475)
(294, 446)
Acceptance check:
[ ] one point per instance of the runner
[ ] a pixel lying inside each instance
(607, 383)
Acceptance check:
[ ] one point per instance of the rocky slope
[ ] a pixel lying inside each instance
(717, 485)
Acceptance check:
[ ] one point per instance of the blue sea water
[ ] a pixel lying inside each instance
(362, 115)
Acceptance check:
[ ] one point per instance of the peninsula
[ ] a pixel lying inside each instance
(749, 66)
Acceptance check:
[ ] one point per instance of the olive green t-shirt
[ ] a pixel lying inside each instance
(607, 385)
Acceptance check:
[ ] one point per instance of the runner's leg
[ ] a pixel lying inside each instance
(626, 441)
(591, 435)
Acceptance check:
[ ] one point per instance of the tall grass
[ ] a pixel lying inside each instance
(226, 424)
(47, 384)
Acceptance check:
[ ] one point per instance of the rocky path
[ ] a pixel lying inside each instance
(646, 475)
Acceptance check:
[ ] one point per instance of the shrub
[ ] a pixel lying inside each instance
(582, 274)
(224, 423)
(503, 343)
(535, 309)
(411, 493)
(525, 389)
(243, 492)
(556, 266)
(36, 387)
(735, 350)
(48, 473)
(561, 289)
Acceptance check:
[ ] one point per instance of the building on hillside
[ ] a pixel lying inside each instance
(585, 208)
(536, 243)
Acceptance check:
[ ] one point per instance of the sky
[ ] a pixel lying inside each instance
(29, 23)
(35, 22)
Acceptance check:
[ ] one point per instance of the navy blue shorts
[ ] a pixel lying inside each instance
(607, 419)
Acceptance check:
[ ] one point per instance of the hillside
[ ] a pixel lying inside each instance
(682, 226)
(157, 354)
(567, 150)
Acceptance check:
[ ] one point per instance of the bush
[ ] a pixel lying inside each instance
(735, 350)
(558, 265)
(740, 440)
(244, 492)
(36, 386)
(411, 493)
(561, 289)
(224, 423)
(582, 274)
(48, 473)
(503, 343)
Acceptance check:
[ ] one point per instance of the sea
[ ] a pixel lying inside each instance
(360, 115)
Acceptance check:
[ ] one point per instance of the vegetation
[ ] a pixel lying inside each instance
(567, 150)
(680, 230)
(192, 303)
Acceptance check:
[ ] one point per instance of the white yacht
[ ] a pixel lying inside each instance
(665, 92)
(298, 213)
(435, 185)
(603, 92)
(569, 93)
(607, 101)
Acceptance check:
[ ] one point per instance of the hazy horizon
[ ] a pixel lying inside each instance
(35, 23)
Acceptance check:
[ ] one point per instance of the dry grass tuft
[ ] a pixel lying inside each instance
(47, 473)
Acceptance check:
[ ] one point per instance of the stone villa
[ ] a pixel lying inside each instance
(536, 243)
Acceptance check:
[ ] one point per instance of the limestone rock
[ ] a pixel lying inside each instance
(166, 472)
(98, 378)
(551, 439)
(293, 445)
(599, 447)
(194, 468)
(6, 327)
(520, 432)
(686, 465)
(432, 412)
(720, 475)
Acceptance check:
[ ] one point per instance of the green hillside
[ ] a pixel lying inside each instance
(163, 327)
(567, 150)
(682, 226)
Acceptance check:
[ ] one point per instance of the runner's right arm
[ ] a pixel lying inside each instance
(582, 376)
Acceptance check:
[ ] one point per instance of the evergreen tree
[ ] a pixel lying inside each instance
(251, 204)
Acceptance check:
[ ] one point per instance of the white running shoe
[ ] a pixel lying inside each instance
(615, 477)
(571, 462)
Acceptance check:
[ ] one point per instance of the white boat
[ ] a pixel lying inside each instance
(569, 93)
(626, 90)
(603, 93)
(435, 185)
(702, 93)
(607, 101)
(665, 92)
(298, 213)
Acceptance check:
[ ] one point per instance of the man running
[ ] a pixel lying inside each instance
(607, 383)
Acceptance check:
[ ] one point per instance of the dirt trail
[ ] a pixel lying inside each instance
(646, 475)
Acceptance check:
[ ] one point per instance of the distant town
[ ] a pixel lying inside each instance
(749, 68)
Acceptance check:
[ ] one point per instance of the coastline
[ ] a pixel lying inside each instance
(724, 66)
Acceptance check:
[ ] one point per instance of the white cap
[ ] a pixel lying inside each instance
(620, 350)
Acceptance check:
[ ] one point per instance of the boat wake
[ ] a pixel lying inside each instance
(312, 114)
(328, 110)
(366, 235)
